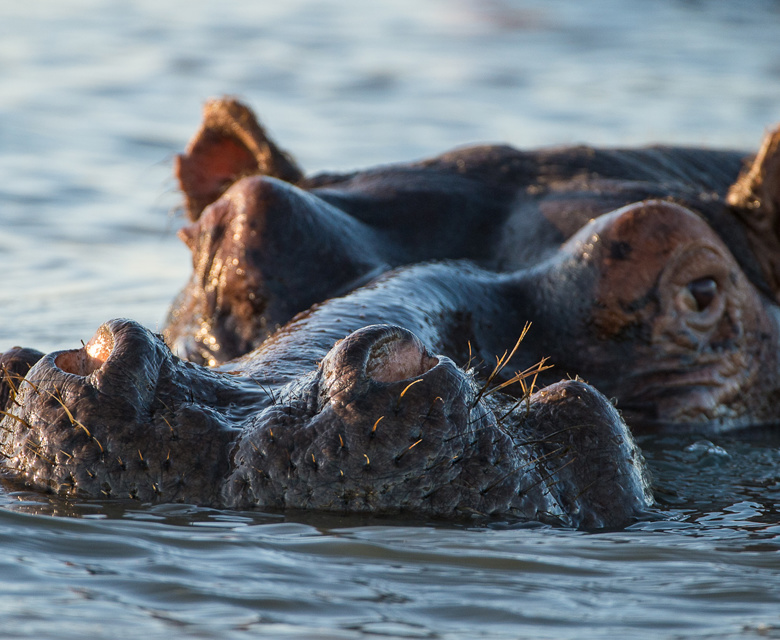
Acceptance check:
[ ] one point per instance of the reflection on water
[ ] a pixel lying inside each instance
(96, 100)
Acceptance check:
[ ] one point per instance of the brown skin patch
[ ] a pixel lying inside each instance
(699, 333)
(645, 241)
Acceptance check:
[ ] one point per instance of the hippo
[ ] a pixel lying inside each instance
(375, 423)
(651, 273)
(345, 339)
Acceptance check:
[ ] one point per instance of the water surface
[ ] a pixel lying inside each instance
(96, 99)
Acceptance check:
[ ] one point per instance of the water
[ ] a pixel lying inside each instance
(95, 100)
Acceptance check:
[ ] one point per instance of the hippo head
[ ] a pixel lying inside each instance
(380, 425)
(648, 304)
(652, 274)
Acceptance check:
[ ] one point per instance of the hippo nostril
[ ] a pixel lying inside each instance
(395, 359)
(92, 356)
(376, 353)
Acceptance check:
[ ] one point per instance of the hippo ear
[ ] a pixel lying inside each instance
(755, 199)
(229, 145)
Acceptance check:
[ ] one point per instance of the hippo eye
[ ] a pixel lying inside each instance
(703, 292)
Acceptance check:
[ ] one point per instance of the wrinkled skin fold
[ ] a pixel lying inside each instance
(351, 323)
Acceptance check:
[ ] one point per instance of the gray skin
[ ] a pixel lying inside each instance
(380, 426)
(651, 273)
(356, 403)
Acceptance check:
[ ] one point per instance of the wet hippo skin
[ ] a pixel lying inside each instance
(354, 325)
(381, 425)
(651, 273)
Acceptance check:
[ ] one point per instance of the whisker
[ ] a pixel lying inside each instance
(22, 420)
(533, 370)
(73, 421)
(501, 363)
(549, 436)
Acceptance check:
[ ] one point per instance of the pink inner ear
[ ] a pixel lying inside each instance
(220, 159)
(212, 163)
(396, 360)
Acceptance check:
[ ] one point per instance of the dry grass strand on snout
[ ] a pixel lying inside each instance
(520, 377)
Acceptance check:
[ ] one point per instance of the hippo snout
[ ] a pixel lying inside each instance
(382, 425)
(386, 426)
(122, 418)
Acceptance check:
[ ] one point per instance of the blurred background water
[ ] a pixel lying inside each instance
(97, 97)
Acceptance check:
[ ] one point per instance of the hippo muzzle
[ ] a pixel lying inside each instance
(380, 425)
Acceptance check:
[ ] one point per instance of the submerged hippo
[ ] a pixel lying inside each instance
(651, 273)
(380, 425)
(648, 272)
